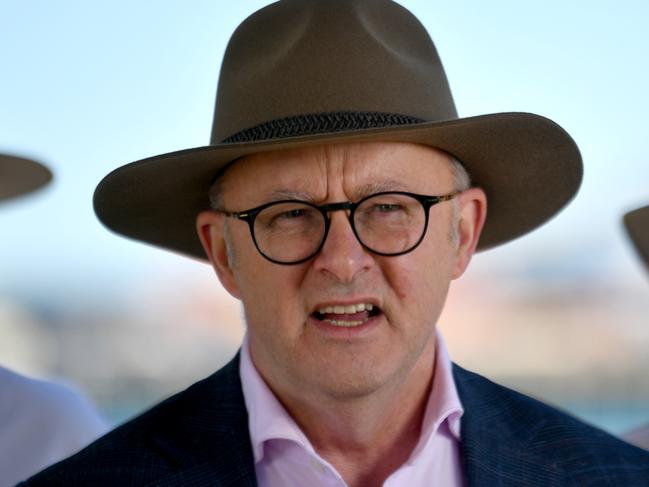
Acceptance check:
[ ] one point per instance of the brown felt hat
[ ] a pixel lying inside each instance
(19, 176)
(302, 73)
(637, 225)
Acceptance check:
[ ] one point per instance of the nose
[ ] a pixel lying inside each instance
(342, 255)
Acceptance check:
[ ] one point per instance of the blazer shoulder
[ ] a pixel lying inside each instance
(499, 421)
(204, 425)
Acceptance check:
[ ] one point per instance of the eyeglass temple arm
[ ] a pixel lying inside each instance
(239, 215)
(438, 199)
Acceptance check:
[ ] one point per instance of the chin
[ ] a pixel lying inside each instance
(352, 386)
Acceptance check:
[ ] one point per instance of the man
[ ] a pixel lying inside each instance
(636, 223)
(41, 422)
(338, 213)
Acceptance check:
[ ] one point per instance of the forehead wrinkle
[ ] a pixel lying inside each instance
(295, 176)
(290, 194)
(325, 154)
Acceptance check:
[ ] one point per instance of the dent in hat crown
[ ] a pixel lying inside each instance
(306, 57)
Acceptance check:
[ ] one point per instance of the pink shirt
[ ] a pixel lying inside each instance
(285, 457)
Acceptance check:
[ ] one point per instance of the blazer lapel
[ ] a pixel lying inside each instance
(496, 435)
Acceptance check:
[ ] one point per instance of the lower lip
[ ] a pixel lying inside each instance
(346, 332)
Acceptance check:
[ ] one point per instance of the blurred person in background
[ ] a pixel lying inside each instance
(340, 197)
(637, 226)
(41, 422)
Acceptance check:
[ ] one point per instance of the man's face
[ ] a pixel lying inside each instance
(294, 348)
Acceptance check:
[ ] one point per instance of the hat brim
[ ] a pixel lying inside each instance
(19, 176)
(637, 225)
(529, 167)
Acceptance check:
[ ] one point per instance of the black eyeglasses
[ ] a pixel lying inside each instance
(290, 232)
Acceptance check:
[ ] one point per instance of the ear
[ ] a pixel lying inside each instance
(210, 227)
(471, 218)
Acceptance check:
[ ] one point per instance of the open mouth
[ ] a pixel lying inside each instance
(347, 316)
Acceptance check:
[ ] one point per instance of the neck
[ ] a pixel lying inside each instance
(367, 438)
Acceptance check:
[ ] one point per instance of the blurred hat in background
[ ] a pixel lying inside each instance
(19, 176)
(637, 226)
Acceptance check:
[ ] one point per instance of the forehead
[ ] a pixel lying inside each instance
(356, 168)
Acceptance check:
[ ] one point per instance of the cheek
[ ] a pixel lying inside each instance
(270, 294)
(421, 278)
(401, 280)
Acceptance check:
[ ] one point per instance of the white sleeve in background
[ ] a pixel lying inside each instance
(41, 423)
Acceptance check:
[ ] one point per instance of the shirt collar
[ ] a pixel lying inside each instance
(443, 402)
(269, 420)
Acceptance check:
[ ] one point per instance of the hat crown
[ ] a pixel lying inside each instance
(304, 57)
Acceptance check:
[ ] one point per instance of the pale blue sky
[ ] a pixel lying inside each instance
(89, 86)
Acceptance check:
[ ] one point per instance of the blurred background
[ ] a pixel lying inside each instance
(562, 314)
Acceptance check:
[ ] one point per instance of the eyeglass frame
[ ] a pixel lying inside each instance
(427, 201)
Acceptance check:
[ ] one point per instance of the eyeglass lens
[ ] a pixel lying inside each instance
(386, 223)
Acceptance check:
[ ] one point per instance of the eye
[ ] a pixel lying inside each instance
(387, 207)
(292, 214)
(288, 216)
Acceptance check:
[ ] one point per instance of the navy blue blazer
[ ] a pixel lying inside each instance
(199, 437)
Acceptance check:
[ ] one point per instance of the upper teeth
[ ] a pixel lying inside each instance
(346, 310)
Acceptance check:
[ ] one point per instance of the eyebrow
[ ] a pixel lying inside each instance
(371, 188)
(289, 194)
(359, 193)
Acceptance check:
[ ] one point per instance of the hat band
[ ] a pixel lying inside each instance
(317, 123)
